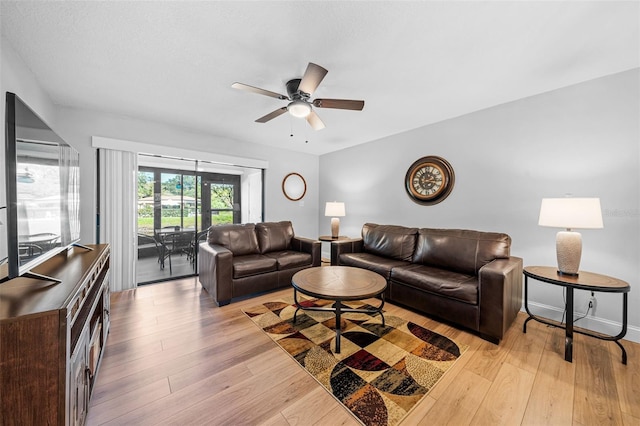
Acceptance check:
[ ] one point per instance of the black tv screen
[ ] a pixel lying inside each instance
(43, 191)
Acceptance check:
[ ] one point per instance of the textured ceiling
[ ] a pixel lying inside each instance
(414, 63)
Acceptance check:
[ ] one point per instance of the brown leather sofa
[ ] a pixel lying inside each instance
(463, 276)
(242, 259)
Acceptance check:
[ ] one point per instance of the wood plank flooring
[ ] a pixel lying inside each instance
(174, 358)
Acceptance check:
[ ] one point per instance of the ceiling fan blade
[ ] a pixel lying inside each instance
(339, 104)
(312, 78)
(272, 115)
(314, 121)
(258, 90)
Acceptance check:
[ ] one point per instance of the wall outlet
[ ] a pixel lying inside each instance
(592, 304)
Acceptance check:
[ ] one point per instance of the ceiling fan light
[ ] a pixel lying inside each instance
(299, 109)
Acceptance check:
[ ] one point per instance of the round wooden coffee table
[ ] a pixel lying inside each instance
(338, 283)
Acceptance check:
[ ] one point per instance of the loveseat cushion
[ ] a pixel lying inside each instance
(372, 262)
(445, 283)
(288, 259)
(274, 236)
(239, 239)
(460, 250)
(252, 264)
(390, 241)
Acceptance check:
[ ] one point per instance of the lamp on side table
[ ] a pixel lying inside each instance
(336, 210)
(570, 213)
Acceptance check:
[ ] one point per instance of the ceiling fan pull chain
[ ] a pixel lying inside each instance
(291, 125)
(306, 134)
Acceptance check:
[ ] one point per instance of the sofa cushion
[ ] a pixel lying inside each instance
(274, 236)
(239, 239)
(290, 259)
(252, 264)
(372, 262)
(459, 250)
(391, 241)
(445, 283)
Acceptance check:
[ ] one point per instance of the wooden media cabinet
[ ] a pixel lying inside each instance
(52, 336)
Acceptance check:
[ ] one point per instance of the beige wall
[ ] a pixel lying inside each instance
(582, 140)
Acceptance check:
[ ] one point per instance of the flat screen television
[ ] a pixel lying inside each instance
(42, 188)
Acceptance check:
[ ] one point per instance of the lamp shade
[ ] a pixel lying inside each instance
(571, 213)
(334, 209)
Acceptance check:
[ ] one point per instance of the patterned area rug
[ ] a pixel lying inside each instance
(381, 373)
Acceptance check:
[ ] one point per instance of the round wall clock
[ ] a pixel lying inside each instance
(429, 180)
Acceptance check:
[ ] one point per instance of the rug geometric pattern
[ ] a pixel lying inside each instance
(381, 371)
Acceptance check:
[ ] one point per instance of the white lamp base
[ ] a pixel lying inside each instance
(335, 227)
(569, 251)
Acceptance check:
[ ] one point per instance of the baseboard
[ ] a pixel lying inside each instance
(590, 322)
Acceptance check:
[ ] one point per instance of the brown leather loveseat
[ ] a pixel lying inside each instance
(242, 259)
(463, 276)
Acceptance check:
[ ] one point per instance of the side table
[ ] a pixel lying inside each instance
(583, 281)
(329, 238)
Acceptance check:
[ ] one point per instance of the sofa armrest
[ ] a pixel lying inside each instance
(307, 245)
(349, 245)
(216, 272)
(500, 296)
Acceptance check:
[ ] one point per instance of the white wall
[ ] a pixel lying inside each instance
(78, 126)
(582, 140)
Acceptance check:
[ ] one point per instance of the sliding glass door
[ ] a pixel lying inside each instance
(220, 199)
(178, 200)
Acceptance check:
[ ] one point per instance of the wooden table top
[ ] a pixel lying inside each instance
(584, 280)
(339, 282)
(330, 238)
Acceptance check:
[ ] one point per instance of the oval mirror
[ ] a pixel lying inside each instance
(294, 186)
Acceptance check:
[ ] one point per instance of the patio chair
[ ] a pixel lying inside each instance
(176, 243)
(147, 242)
(195, 243)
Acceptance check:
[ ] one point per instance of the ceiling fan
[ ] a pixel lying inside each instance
(300, 91)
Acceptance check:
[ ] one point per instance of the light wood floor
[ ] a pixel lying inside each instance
(173, 357)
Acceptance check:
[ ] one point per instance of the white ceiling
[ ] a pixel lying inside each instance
(414, 63)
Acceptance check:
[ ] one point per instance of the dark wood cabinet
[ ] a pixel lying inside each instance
(52, 337)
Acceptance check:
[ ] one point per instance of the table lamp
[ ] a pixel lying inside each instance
(570, 213)
(335, 210)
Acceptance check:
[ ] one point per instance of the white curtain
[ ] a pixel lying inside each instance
(118, 198)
